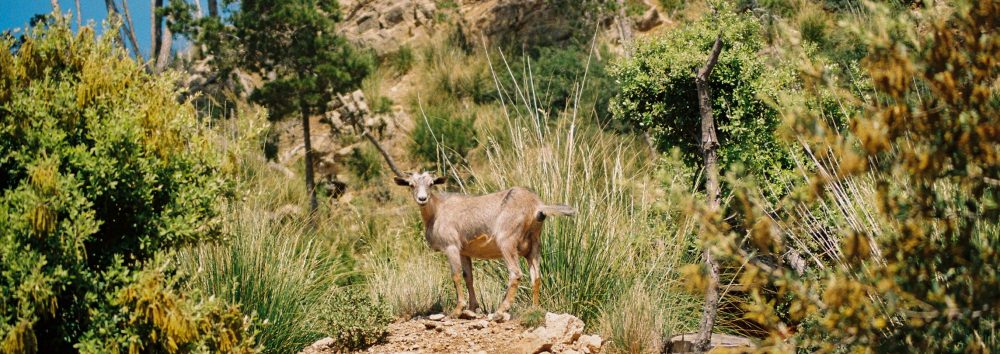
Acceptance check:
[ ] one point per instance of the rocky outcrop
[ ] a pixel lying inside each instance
(334, 138)
(385, 25)
(562, 333)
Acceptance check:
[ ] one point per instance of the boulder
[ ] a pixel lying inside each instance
(559, 334)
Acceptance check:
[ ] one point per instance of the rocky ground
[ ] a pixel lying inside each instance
(561, 333)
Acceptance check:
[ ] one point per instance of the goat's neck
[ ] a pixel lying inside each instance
(429, 211)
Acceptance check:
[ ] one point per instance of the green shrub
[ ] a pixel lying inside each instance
(557, 73)
(444, 136)
(353, 320)
(658, 93)
(672, 6)
(382, 105)
(100, 169)
(366, 163)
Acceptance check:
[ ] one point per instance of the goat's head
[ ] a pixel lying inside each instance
(421, 184)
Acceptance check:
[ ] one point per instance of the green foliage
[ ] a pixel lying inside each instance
(100, 169)
(924, 274)
(153, 314)
(366, 163)
(446, 135)
(658, 93)
(672, 6)
(556, 74)
(295, 43)
(353, 320)
(382, 105)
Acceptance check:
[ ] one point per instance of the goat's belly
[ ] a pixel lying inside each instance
(482, 246)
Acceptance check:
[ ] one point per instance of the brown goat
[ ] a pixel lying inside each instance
(506, 224)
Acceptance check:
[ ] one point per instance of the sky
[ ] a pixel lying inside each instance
(16, 14)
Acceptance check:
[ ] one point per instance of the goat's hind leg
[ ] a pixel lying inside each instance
(510, 258)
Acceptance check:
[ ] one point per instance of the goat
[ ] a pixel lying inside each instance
(506, 224)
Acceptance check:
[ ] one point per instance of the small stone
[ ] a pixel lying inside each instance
(480, 324)
(436, 317)
(499, 317)
(431, 325)
(323, 343)
(468, 315)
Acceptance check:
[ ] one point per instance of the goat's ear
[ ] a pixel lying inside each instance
(440, 180)
(401, 181)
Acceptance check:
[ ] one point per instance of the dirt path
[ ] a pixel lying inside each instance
(561, 333)
(450, 336)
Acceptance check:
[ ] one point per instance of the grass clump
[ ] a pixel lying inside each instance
(353, 320)
(532, 317)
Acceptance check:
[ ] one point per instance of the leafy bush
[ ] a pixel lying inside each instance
(557, 74)
(354, 320)
(657, 92)
(444, 136)
(100, 169)
(924, 275)
(366, 163)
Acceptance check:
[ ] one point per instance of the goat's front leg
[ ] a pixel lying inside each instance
(455, 261)
(467, 272)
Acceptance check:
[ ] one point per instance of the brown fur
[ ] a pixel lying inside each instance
(503, 225)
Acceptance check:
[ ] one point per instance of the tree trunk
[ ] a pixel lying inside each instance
(306, 136)
(130, 30)
(79, 16)
(709, 143)
(112, 13)
(213, 8)
(166, 42)
(154, 28)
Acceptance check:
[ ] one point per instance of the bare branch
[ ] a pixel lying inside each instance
(384, 152)
(130, 30)
(712, 59)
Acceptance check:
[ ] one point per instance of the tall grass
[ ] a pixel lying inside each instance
(273, 264)
(275, 270)
(618, 246)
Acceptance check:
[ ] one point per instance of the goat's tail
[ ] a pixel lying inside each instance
(554, 210)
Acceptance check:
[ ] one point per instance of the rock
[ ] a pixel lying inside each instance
(685, 343)
(499, 317)
(559, 334)
(468, 315)
(480, 324)
(431, 325)
(324, 343)
(560, 328)
(590, 343)
(649, 20)
(436, 317)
